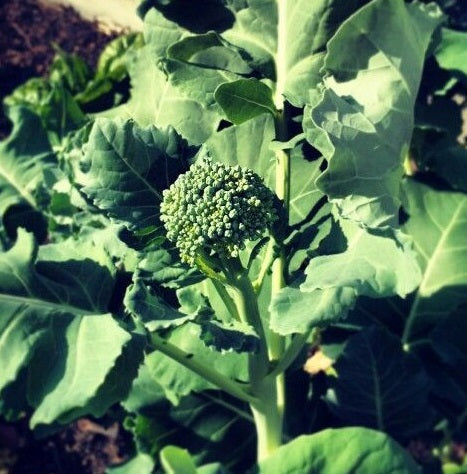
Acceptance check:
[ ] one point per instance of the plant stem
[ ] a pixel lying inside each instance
(209, 374)
(294, 349)
(267, 409)
(410, 321)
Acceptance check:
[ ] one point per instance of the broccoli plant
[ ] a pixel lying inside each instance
(282, 186)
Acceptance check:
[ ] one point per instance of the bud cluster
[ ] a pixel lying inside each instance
(214, 207)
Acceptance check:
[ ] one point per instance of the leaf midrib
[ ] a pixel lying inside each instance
(48, 305)
(10, 179)
(432, 262)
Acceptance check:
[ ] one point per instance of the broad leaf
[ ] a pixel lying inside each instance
(24, 157)
(340, 451)
(130, 167)
(380, 386)
(438, 224)
(247, 145)
(154, 101)
(363, 121)
(78, 357)
(372, 265)
(54, 316)
(286, 40)
(197, 65)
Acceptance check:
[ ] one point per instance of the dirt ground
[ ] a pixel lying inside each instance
(28, 32)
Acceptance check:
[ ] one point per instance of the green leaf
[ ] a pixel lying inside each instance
(178, 381)
(340, 451)
(140, 464)
(372, 265)
(296, 311)
(111, 67)
(25, 155)
(286, 40)
(209, 51)
(438, 224)
(163, 266)
(130, 167)
(154, 101)
(53, 103)
(198, 83)
(151, 309)
(247, 145)
(78, 359)
(54, 315)
(205, 424)
(244, 99)
(364, 120)
(197, 65)
(251, 144)
(176, 460)
(233, 336)
(70, 71)
(380, 386)
(451, 52)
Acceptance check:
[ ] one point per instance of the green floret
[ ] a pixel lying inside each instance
(216, 208)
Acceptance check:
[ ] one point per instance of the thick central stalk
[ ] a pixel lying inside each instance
(267, 412)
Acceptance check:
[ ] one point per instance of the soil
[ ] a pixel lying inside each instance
(84, 447)
(29, 30)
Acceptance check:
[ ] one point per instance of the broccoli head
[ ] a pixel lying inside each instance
(216, 208)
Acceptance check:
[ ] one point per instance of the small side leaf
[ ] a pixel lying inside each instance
(176, 460)
(244, 99)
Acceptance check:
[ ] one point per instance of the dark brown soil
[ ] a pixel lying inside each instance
(28, 32)
(84, 447)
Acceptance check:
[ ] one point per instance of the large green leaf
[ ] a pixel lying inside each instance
(154, 101)
(53, 321)
(130, 166)
(363, 121)
(78, 358)
(380, 386)
(286, 40)
(24, 157)
(438, 224)
(372, 265)
(340, 451)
